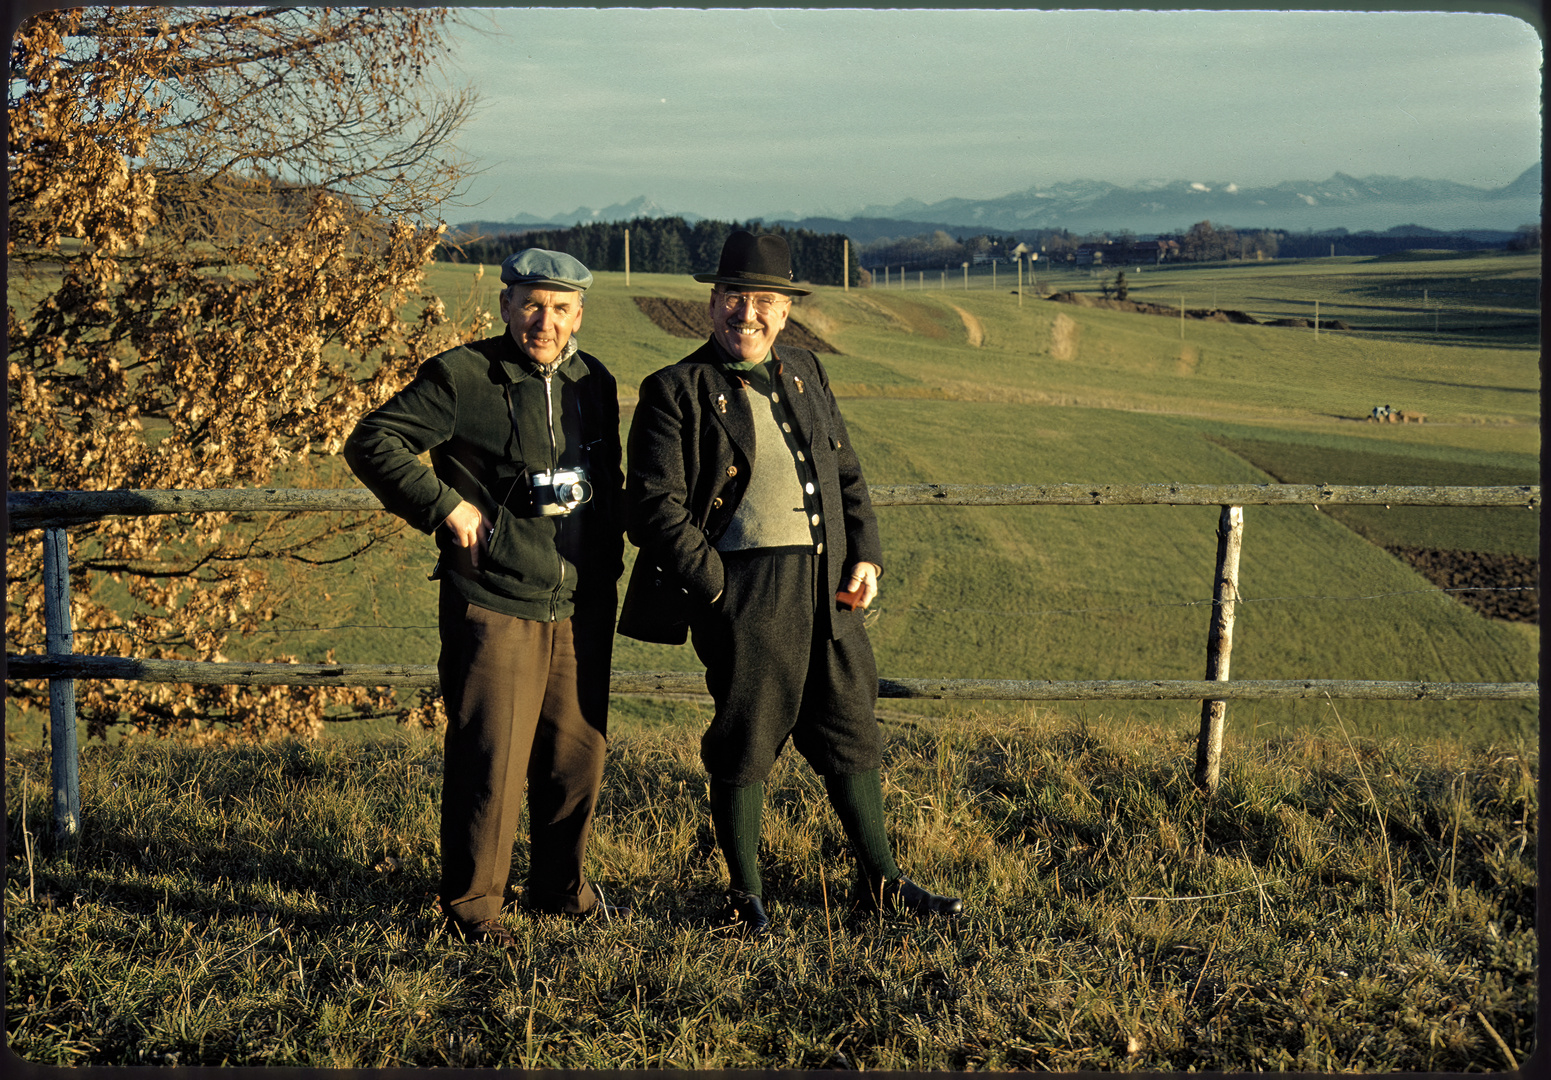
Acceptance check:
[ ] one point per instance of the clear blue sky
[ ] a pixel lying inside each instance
(748, 112)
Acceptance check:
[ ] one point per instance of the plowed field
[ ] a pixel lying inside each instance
(1514, 580)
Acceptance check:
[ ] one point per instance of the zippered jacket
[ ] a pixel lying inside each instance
(490, 418)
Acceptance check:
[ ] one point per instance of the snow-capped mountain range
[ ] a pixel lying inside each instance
(1342, 201)
(1371, 202)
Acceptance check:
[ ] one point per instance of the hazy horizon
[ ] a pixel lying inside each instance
(569, 216)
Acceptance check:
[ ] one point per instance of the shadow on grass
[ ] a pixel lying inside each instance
(1335, 906)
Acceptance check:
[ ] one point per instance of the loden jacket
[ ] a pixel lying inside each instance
(691, 451)
(490, 419)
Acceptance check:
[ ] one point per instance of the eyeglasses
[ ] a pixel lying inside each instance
(762, 302)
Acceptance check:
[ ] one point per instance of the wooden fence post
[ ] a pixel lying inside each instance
(60, 638)
(1219, 644)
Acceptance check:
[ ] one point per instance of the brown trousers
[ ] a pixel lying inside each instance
(526, 702)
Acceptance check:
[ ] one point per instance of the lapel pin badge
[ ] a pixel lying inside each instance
(798, 380)
(721, 403)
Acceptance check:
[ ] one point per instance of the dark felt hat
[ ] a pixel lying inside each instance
(755, 262)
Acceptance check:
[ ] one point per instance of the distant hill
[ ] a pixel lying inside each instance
(473, 230)
(1092, 205)
(1370, 203)
(639, 207)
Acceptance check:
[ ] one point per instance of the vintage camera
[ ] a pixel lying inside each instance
(559, 492)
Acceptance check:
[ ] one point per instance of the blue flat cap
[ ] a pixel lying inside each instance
(542, 269)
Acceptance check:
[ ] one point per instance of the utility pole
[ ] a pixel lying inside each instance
(966, 277)
(845, 264)
(627, 257)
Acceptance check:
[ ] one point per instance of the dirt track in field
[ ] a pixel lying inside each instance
(974, 333)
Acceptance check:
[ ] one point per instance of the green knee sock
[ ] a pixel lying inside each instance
(735, 817)
(858, 799)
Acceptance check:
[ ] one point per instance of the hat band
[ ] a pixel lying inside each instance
(739, 277)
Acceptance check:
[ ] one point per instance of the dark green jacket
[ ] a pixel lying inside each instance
(457, 409)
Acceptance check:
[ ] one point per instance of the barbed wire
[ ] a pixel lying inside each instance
(913, 610)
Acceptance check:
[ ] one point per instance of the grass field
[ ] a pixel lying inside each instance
(1055, 393)
(1109, 592)
(1344, 904)
(1358, 897)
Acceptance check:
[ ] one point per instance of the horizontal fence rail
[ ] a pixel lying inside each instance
(228, 673)
(60, 509)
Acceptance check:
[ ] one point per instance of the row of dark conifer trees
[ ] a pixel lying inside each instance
(659, 246)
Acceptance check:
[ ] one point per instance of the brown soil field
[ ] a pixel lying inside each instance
(689, 319)
(1480, 570)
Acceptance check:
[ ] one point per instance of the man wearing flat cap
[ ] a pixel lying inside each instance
(748, 503)
(523, 495)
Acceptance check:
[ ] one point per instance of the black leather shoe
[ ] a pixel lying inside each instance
(901, 896)
(745, 913)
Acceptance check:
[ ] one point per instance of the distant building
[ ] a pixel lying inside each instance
(1154, 251)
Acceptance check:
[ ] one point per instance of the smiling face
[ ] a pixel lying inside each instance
(746, 323)
(541, 321)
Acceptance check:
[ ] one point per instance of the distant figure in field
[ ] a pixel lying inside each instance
(757, 537)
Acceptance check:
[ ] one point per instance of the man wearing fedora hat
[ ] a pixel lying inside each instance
(523, 495)
(758, 539)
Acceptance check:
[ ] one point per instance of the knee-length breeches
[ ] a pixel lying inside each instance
(773, 677)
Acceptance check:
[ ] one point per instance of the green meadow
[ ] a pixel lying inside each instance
(974, 386)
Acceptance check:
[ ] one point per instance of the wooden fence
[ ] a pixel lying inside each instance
(56, 511)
